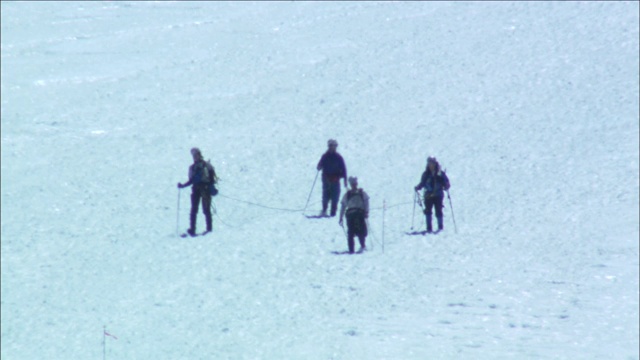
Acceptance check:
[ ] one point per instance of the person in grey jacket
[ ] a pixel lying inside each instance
(355, 203)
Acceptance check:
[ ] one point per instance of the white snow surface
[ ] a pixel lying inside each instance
(532, 108)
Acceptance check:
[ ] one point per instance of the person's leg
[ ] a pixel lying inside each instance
(428, 205)
(206, 208)
(335, 197)
(195, 203)
(351, 231)
(439, 214)
(362, 231)
(326, 190)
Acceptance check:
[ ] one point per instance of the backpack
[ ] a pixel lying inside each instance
(351, 194)
(213, 178)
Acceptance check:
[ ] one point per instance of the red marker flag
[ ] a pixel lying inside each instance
(107, 334)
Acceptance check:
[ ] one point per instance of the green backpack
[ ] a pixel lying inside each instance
(213, 178)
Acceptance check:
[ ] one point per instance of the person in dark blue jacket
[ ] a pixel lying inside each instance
(434, 181)
(333, 169)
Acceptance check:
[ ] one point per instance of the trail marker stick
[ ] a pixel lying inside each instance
(384, 210)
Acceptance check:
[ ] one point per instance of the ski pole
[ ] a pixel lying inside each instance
(310, 192)
(178, 215)
(214, 211)
(419, 201)
(345, 232)
(452, 216)
(413, 216)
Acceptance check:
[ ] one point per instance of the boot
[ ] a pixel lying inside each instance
(192, 224)
(429, 225)
(440, 223)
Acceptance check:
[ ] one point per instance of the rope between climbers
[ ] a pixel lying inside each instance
(259, 205)
(299, 210)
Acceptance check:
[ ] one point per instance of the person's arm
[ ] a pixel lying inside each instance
(422, 182)
(344, 170)
(188, 182)
(321, 162)
(446, 183)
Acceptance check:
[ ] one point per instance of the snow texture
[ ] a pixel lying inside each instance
(532, 108)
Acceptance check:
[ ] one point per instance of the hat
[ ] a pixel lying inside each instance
(195, 151)
(332, 142)
(432, 159)
(353, 180)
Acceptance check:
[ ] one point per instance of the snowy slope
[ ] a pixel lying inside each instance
(531, 107)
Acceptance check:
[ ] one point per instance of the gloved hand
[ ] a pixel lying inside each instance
(180, 186)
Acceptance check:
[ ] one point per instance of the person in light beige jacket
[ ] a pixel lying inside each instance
(355, 204)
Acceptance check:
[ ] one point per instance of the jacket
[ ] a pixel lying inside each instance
(434, 184)
(333, 167)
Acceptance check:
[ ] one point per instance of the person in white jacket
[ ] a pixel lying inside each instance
(355, 203)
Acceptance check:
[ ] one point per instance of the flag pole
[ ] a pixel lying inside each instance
(104, 342)
(384, 209)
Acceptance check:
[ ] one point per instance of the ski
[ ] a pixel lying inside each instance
(185, 235)
(423, 232)
(346, 252)
(317, 216)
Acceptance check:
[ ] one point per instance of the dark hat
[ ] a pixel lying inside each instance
(196, 152)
